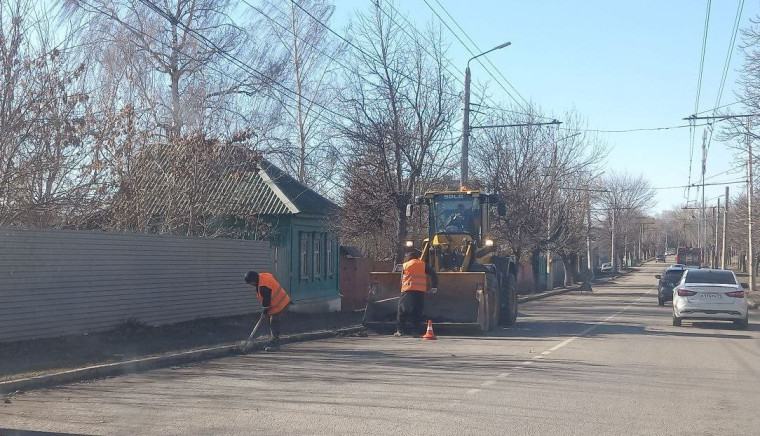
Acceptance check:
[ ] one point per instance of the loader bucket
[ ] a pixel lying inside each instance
(461, 303)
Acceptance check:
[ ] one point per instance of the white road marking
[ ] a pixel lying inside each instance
(556, 347)
(563, 343)
(594, 327)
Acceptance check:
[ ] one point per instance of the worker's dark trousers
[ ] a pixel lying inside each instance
(274, 326)
(410, 303)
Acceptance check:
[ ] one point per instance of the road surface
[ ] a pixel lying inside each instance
(607, 362)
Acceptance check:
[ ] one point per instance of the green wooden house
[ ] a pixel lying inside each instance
(304, 245)
(235, 193)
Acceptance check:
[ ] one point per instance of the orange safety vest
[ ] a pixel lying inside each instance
(280, 298)
(414, 277)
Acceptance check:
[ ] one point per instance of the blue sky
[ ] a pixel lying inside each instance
(621, 64)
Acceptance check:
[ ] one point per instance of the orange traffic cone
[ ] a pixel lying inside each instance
(429, 335)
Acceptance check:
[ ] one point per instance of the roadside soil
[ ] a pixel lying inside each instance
(134, 340)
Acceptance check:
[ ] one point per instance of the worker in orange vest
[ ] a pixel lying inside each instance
(414, 286)
(273, 299)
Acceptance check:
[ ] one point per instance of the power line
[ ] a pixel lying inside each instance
(363, 52)
(728, 171)
(734, 182)
(154, 39)
(702, 57)
(473, 54)
(720, 107)
(479, 50)
(210, 44)
(641, 129)
(450, 63)
(726, 65)
(699, 91)
(727, 62)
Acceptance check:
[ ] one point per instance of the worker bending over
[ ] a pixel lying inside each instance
(273, 299)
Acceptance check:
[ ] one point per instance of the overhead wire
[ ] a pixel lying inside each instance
(450, 63)
(726, 65)
(361, 50)
(239, 63)
(474, 44)
(163, 43)
(731, 182)
(699, 91)
(641, 129)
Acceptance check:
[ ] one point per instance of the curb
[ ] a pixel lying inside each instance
(149, 363)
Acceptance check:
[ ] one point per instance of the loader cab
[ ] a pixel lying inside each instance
(456, 214)
(459, 212)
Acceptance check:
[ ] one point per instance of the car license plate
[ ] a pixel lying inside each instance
(709, 296)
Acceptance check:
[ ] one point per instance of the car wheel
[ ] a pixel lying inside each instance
(676, 321)
(660, 301)
(742, 323)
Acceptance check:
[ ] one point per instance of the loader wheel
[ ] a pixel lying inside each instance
(494, 308)
(508, 313)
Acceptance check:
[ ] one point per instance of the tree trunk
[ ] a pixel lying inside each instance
(568, 264)
(535, 260)
(401, 230)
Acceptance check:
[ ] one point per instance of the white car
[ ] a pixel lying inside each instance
(710, 294)
(606, 267)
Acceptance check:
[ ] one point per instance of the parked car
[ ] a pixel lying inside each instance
(668, 280)
(606, 267)
(660, 258)
(712, 294)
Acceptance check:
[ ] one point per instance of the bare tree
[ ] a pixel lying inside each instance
(541, 174)
(402, 107)
(314, 60)
(181, 63)
(42, 136)
(629, 198)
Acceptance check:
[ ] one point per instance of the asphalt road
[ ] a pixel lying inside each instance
(607, 362)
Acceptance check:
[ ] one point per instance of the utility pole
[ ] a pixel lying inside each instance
(750, 257)
(466, 127)
(716, 218)
(725, 228)
(612, 250)
(703, 239)
(589, 264)
(549, 278)
(466, 119)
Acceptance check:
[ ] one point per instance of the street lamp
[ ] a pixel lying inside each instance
(466, 120)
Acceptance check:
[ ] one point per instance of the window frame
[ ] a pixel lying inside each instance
(303, 255)
(329, 257)
(317, 258)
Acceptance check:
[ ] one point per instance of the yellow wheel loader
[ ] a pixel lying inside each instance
(476, 285)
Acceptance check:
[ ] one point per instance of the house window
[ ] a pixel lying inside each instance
(330, 261)
(304, 256)
(318, 255)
